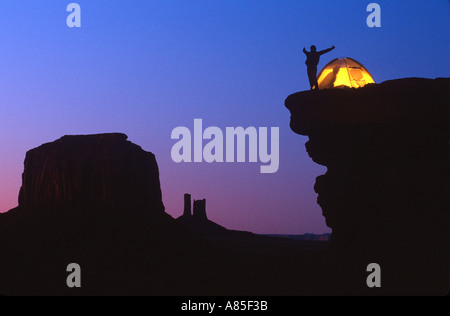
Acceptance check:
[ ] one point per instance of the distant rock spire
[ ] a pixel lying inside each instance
(187, 205)
(200, 209)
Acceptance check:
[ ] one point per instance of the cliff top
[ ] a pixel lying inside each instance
(401, 100)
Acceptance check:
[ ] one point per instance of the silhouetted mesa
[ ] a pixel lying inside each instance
(94, 200)
(385, 193)
(91, 170)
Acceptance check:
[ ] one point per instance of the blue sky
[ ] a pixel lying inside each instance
(146, 67)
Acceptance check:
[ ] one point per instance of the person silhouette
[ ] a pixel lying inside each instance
(330, 79)
(312, 60)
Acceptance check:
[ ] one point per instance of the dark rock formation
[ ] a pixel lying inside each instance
(187, 205)
(241, 241)
(96, 201)
(94, 170)
(385, 193)
(200, 209)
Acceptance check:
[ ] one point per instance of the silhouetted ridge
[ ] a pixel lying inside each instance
(238, 241)
(95, 200)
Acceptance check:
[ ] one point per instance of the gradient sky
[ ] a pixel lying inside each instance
(145, 67)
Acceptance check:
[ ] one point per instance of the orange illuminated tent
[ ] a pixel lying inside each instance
(344, 72)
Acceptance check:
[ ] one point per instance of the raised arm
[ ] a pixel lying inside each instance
(304, 50)
(326, 50)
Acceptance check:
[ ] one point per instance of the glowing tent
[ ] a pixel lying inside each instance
(344, 72)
